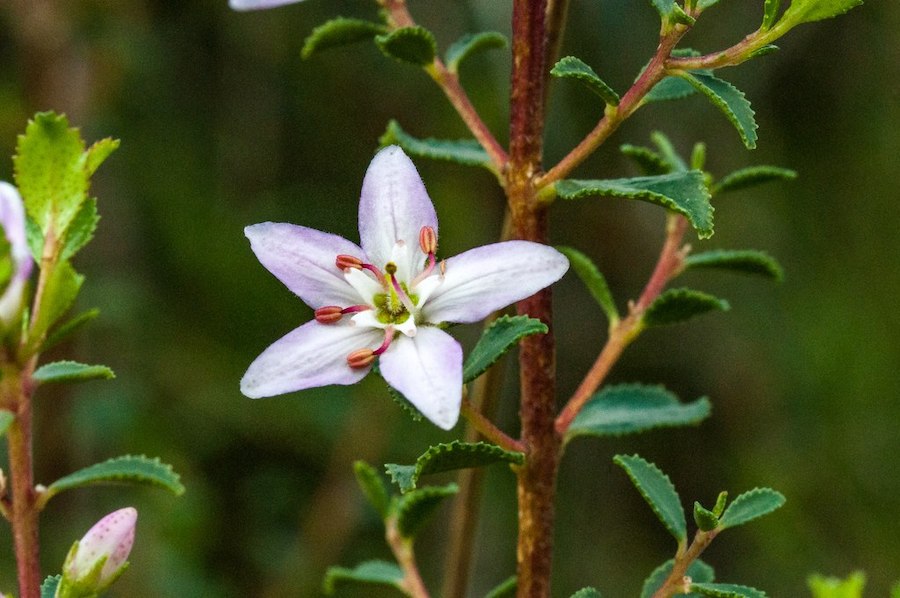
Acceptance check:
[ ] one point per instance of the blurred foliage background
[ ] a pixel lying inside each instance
(223, 125)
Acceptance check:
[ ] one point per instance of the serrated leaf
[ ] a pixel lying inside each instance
(399, 399)
(698, 571)
(668, 89)
(467, 152)
(339, 32)
(770, 13)
(678, 305)
(633, 408)
(658, 491)
(833, 587)
(415, 45)
(98, 153)
(500, 337)
(367, 573)
(414, 507)
(807, 11)
(726, 590)
(505, 589)
(705, 519)
(449, 457)
(751, 505)
(81, 230)
(48, 588)
(593, 280)
(373, 487)
(671, 12)
(730, 100)
(35, 238)
(472, 43)
(6, 418)
(571, 67)
(752, 176)
(744, 261)
(62, 287)
(70, 327)
(133, 469)
(71, 371)
(682, 192)
(587, 593)
(650, 162)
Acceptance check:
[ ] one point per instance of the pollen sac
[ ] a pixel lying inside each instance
(344, 262)
(329, 314)
(428, 240)
(361, 358)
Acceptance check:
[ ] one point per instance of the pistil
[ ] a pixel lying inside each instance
(399, 293)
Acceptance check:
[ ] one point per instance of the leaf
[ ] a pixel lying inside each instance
(6, 418)
(744, 261)
(71, 371)
(752, 176)
(414, 507)
(81, 230)
(658, 491)
(593, 280)
(127, 469)
(649, 161)
(670, 12)
(339, 32)
(372, 485)
(704, 4)
(770, 13)
(751, 505)
(98, 153)
(415, 45)
(730, 100)
(571, 67)
(705, 519)
(62, 287)
(668, 89)
(587, 593)
(496, 340)
(48, 588)
(682, 192)
(69, 328)
(449, 457)
(472, 43)
(667, 150)
(505, 589)
(763, 51)
(726, 590)
(467, 152)
(698, 571)
(678, 305)
(895, 591)
(833, 587)
(633, 408)
(367, 573)
(807, 11)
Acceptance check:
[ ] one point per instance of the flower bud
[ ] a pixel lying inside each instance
(15, 257)
(97, 560)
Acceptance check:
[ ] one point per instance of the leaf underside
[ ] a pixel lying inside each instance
(449, 457)
(730, 100)
(678, 305)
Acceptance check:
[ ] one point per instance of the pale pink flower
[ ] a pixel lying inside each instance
(101, 555)
(12, 221)
(258, 4)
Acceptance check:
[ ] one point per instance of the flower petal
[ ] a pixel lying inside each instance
(394, 206)
(427, 370)
(258, 4)
(485, 279)
(312, 355)
(12, 221)
(303, 259)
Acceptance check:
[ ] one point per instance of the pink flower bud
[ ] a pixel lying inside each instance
(108, 542)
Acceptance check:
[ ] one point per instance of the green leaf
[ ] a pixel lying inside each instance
(506, 589)
(726, 590)
(62, 287)
(698, 571)
(658, 491)
(415, 45)
(667, 150)
(593, 280)
(720, 503)
(730, 100)
(668, 89)
(81, 230)
(472, 43)
(682, 192)
(752, 176)
(373, 486)
(6, 418)
(48, 588)
(467, 152)
(633, 408)
(704, 4)
(895, 591)
(698, 156)
(71, 371)
(367, 573)
(339, 32)
(770, 13)
(705, 519)
(414, 507)
(587, 593)
(807, 11)
(449, 457)
(574, 68)
(671, 12)
(650, 162)
(744, 261)
(69, 328)
(763, 51)
(98, 153)
(751, 505)
(833, 587)
(133, 469)
(500, 337)
(678, 305)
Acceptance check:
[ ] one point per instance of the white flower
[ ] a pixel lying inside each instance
(258, 4)
(12, 220)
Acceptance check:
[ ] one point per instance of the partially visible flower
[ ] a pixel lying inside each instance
(97, 560)
(258, 4)
(389, 298)
(15, 260)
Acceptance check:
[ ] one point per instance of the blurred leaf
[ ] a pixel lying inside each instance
(472, 43)
(367, 573)
(704, 4)
(726, 590)
(682, 192)
(895, 591)
(698, 156)
(48, 588)
(62, 287)
(448, 457)
(698, 571)
(658, 491)
(570, 67)
(6, 418)
(398, 398)
(833, 587)
(339, 32)
(593, 280)
(135, 469)
(98, 153)
(373, 487)
(752, 176)
(71, 327)
(586, 593)
(71, 371)
(415, 45)
(751, 505)
(633, 408)
(770, 13)
(678, 305)
(807, 11)
(667, 150)
(467, 152)
(81, 229)
(649, 161)
(721, 500)
(500, 337)
(705, 519)
(414, 507)
(730, 100)
(35, 238)
(506, 589)
(671, 12)
(764, 51)
(744, 261)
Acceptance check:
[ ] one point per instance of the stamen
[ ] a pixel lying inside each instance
(428, 240)
(329, 314)
(348, 261)
(361, 358)
(388, 337)
(443, 267)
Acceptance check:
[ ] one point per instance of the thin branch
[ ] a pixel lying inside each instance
(412, 584)
(677, 582)
(487, 428)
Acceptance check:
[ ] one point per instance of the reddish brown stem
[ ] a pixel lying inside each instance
(675, 583)
(487, 428)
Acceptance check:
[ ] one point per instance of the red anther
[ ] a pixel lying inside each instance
(329, 314)
(361, 358)
(348, 261)
(443, 267)
(428, 240)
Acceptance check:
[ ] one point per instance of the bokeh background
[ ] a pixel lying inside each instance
(223, 125)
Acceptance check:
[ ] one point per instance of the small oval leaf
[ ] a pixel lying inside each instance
(414, 507)
(593, 280)
(472, 43)
(367, 573)
(678, 305)
(705, 519)
(742, 261)
(751, 505)
(571, 67)
(449, 457)
(339, 32)
(467, 152)
(752, 176)
(501, 336)
(726, 590)
(730, 100)
(415, 45)
(658, 491)
(134, 469)
(48, 588)
(647, 160)
(373, 487)
(71, 371)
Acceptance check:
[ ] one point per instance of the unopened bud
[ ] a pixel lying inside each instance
(428, 239)
(97, 560)
(348, 261)
(329, 314)
(361, 358)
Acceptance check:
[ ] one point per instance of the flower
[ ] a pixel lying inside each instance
(258, 4)
(389, 298)
(12, 220)
(97, 560)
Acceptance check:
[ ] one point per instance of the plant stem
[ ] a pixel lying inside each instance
(676, 581)
(486, 428)
(412, 584)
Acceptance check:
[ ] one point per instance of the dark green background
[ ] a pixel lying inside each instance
(223, 125)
